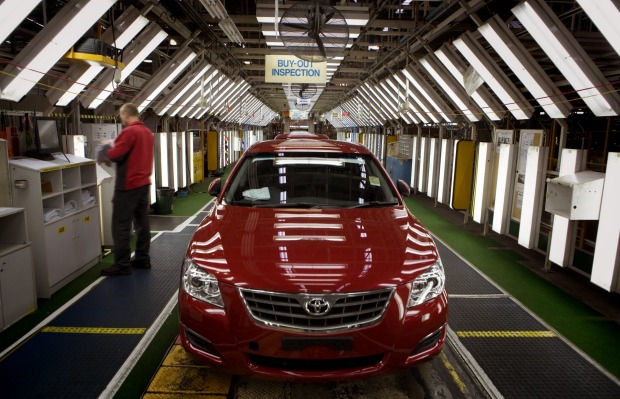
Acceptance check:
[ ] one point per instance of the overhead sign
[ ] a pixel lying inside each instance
(297, 115)
(290, 69)
(303, 101)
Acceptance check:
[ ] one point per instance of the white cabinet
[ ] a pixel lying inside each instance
(61, 200)
(17, 288)
(60, 250)
(74, 241)
(576, 196)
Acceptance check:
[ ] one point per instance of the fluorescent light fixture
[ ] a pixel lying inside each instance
(144, 45)
(126, 27)
(173, 42)
(482, 96)
(492, 74)
(13, 13)
(50, 44)
(216, 97)
(384, 101)
(454, 90)
(568, 56)
(419, 105)
(76, 88)
(230, 29)
(182, 87)
(190, 97)
(406, 116)
(525, 67)
(429, 94)
(279, 43)
(367, 112)
(204, 90)
(163, 77)
(220, 105)
(215, 8)
(371, 116)
(605, 14)
(194, 107)
(371, 100)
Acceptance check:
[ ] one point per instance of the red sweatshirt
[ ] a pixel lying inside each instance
(133, 154)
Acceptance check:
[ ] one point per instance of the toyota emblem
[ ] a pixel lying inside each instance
(317, 307)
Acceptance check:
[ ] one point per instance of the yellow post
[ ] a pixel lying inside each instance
(212, 150)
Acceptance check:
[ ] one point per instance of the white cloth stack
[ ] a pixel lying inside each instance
(88, 199)
(70, 206)
(51, 214)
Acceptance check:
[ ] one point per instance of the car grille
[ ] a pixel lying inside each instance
(316, 365)
(287, 311)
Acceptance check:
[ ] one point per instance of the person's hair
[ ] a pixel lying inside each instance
(130, 109)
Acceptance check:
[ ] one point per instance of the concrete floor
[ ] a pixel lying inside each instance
(444, 377)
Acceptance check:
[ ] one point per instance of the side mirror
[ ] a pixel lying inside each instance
(403, 188)
(215, 187)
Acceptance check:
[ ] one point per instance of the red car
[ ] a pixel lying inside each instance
(310, 267)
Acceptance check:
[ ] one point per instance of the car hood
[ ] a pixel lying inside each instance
(312, 250)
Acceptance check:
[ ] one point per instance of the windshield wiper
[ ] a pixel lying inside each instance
(305, 205)
(375, 204)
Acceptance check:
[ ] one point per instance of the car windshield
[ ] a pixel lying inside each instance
(310, 180)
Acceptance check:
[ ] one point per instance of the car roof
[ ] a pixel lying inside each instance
(307, 144)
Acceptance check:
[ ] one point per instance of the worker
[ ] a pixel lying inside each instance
(132, 152)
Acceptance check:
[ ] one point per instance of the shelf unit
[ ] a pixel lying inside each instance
(69, 243)
(17, 286)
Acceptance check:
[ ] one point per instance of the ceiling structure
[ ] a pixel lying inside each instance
(203, 58)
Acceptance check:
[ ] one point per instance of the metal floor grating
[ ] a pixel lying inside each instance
(136, 300)
(539, 368)
(54, 365)
(490, 314)
(461, 279)
(188, 230)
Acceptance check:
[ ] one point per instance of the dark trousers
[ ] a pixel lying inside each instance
(131, 205)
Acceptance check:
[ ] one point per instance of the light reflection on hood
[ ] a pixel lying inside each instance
(313, 250)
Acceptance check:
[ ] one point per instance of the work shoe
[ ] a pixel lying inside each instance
(116, 270)
(141, 264)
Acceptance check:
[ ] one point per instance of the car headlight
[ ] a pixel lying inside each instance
(201, 284)
(428, 285)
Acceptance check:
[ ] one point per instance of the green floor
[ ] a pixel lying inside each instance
(197, 198)
(586, 328)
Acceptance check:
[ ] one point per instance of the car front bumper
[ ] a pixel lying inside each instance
(232, 341)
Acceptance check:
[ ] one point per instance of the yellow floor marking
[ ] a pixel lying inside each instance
(179, 357)
(455, 376)
(190, 380)
(506, 334)
(93, 330)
